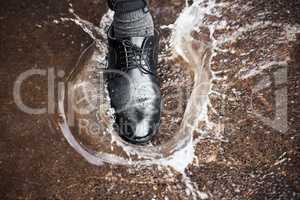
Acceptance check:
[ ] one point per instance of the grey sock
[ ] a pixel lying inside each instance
(133, 24)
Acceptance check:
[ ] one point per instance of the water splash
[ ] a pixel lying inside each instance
(178, 153)
(152, 154)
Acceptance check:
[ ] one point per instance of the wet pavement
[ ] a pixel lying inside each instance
(252, 60)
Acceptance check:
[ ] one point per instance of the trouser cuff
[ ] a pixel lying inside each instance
(128, 5)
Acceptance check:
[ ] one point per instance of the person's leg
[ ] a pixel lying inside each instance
(133, 50)
(132, 18)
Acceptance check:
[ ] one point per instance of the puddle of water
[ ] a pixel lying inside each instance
(85, 95)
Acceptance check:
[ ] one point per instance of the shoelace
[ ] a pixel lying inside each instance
(135, 57)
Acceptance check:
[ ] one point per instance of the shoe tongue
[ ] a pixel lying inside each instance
(137, 41)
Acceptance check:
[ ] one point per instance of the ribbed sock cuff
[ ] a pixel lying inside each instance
(133, 24)
(130, 16)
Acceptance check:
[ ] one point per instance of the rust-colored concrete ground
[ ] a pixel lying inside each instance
(253, 162)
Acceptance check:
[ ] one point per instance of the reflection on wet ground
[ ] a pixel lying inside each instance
(233, 137)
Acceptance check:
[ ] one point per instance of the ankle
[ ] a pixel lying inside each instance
(132, 18)
(133, 24)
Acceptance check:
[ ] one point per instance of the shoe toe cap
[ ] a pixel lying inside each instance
(138, 128)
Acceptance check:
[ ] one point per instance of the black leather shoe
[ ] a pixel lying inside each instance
(133, 86)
